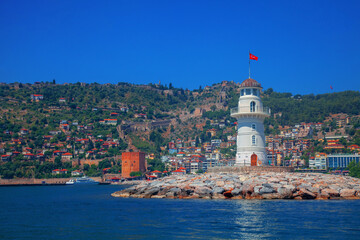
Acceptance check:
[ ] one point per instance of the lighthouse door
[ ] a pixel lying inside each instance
(254, 160)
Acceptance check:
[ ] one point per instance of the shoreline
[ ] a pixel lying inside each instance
(270, 185)
(37, 182)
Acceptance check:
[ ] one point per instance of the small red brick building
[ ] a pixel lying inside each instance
(132, 162)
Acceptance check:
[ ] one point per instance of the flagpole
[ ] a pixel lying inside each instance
(249, 63)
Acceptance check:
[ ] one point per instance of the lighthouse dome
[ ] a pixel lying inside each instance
(250, 83)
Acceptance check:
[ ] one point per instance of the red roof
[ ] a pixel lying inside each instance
(179, 171)
(250, 83)
(67, 154)
(5, 155)
(156, 171)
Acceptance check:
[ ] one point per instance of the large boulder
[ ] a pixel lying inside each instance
(175, 190)
(263, 189)
(121, 194)
(304, 194)
(218, 190)
(347, 193)
(285, 193)
(271, 196)
(236, 192)
(332, 193)
(152, 191)
(203, 192)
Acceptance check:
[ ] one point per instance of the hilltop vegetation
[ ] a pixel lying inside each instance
(311, 108)
(91, 103)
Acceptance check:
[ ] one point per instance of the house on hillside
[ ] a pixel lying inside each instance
(5, 158)
(66, 156)
(109, 122)
(36, 97)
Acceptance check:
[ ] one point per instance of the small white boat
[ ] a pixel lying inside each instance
(82, 180)
(70, 182)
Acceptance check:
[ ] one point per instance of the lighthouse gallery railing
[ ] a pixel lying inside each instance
(237, 110)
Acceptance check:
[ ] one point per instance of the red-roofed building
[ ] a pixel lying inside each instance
(66, 156)
(179, 172)
(16, 153)
(5, 158)
(57, 153)
(29, 156)
(156, 173)
(180, 154)
(48, 137)
(65, 127)
(36, 97)
(24, 131)
(354, 147)
(82, 140)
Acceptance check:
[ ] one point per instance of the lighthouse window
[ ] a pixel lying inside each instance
(255, 92)
(242, 92)
(248, 91)
(253, 126)
(253, 140)
(252, 106)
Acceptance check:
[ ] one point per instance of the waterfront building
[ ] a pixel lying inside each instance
(318, 162)
(132, 162)
(341, 160)
(196, 165)
(250, 115)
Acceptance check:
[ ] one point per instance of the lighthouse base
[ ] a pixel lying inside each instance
(251, 158)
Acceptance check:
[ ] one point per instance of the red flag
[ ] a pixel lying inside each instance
(331, 87)
(253, 57)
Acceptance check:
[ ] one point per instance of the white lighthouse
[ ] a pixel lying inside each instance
(250, 115)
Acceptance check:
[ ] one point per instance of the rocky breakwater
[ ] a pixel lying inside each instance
(248, 186)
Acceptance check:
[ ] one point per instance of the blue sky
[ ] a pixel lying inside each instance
(303, 46)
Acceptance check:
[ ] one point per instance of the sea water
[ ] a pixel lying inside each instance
(89, 212)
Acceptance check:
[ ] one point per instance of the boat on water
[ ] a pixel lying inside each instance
(81, 180)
